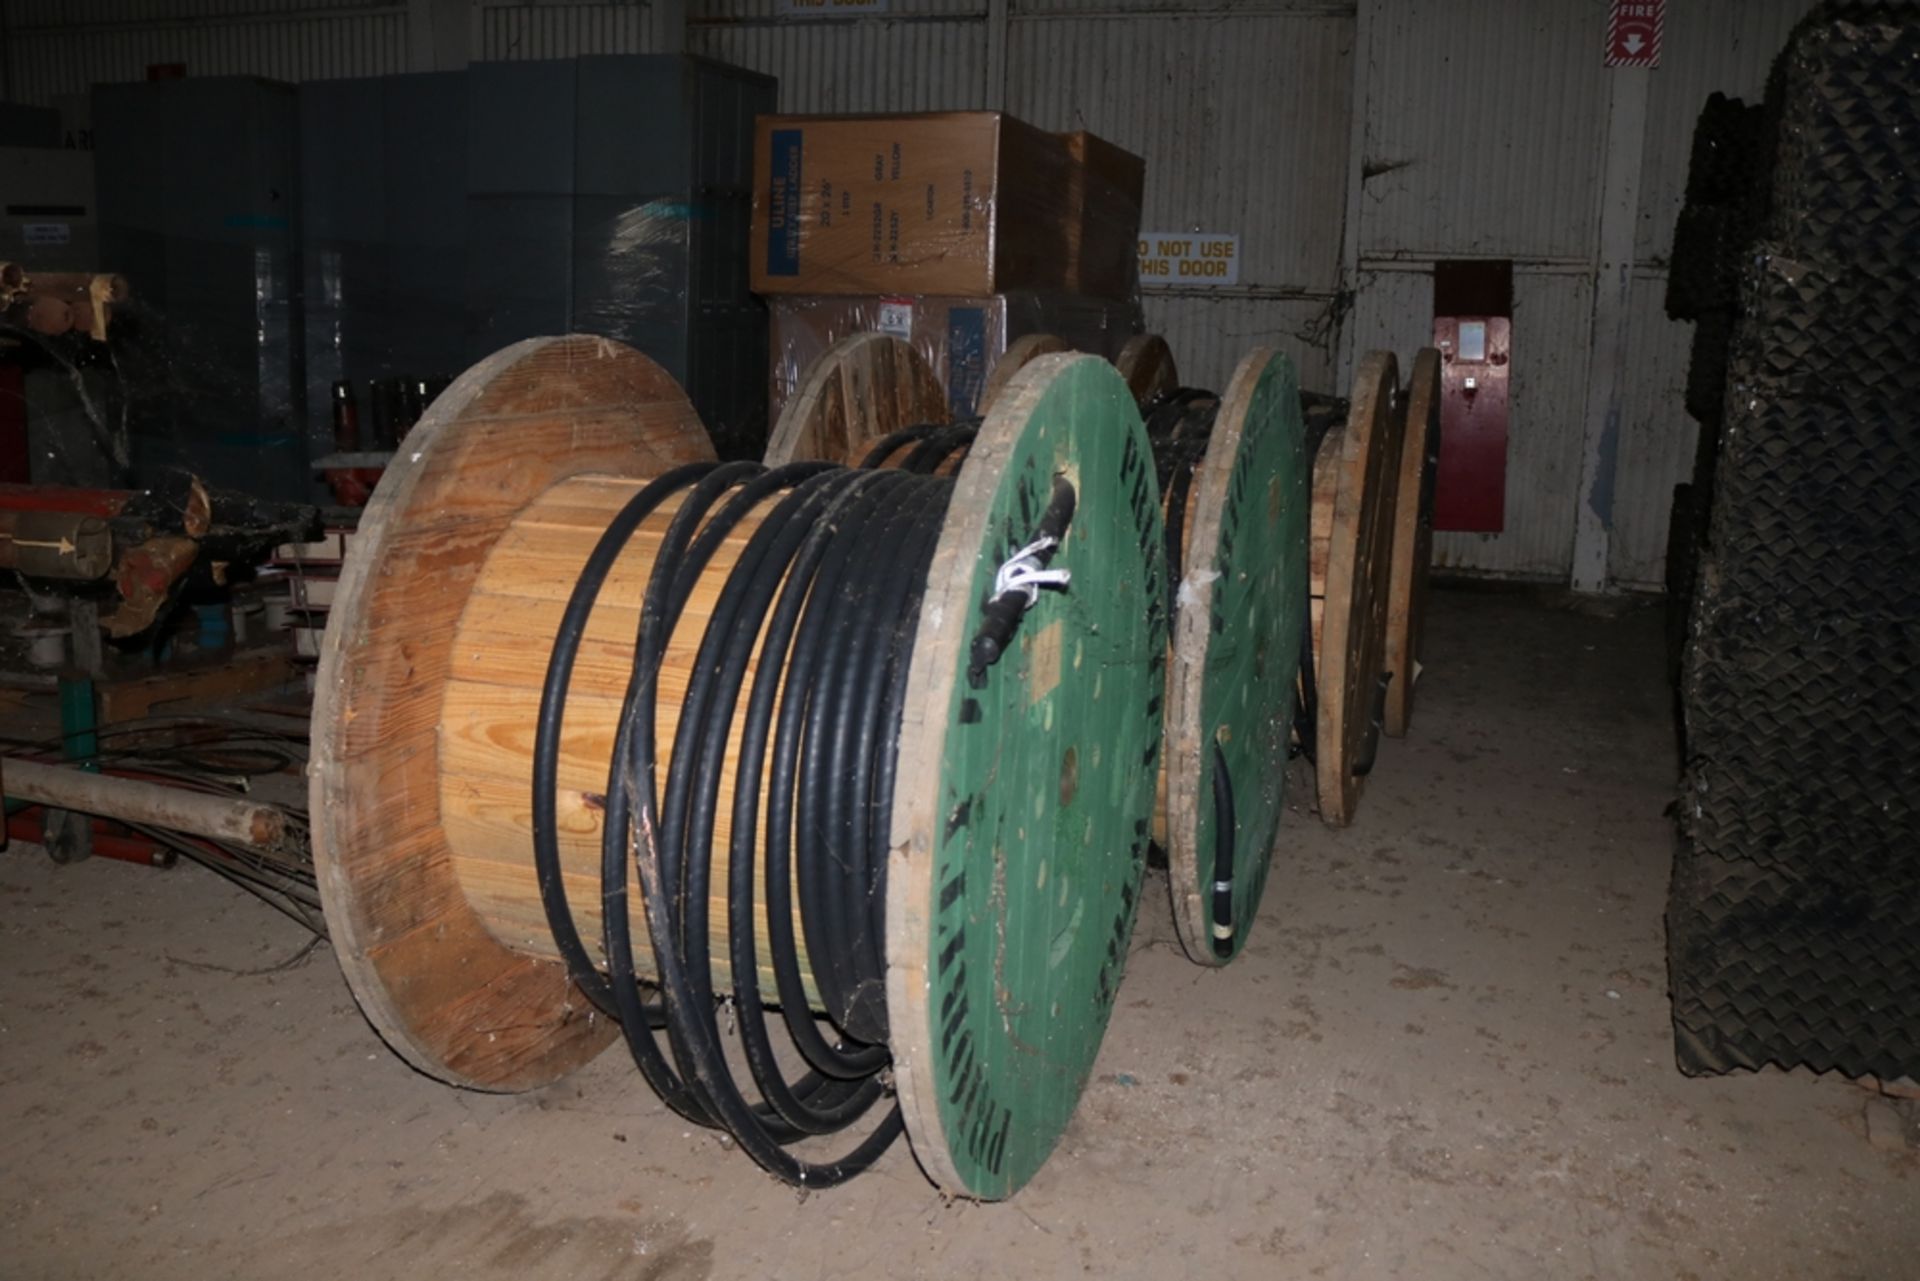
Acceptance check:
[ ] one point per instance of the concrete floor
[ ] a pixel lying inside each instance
(1447, 1055)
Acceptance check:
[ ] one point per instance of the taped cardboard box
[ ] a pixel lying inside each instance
(960, 338)
(955, 204)
(1107, 184)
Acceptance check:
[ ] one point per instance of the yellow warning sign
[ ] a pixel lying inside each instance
(1189, 258)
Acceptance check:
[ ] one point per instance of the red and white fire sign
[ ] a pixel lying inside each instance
(1633, 32)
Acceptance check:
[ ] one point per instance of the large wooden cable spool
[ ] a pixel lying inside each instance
(1146, 362)
(1239, 625)
(1020, 353)
(848, 397)
(1019, 813)
(1355, 476)
(1412, 538)
(435, 981)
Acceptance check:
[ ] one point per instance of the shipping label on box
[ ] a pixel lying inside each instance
(1188, 258)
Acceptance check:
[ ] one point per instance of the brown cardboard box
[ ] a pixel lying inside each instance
(964, 203)
(960, 338)
(1106, 188)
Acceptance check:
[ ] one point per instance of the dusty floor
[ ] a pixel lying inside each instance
(1446, 1056)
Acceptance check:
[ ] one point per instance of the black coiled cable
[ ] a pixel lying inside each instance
(1179, 426)
(826, 593)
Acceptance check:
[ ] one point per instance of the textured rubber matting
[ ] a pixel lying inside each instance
(1771, 967)
(1794, 918)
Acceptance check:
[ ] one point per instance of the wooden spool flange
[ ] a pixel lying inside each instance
(1238, 627)
(861, 388)
(1021, 803)
(1354, 478)
(440, 989)
(1014, 879)
(1146, 362)
(1020, 353)
(1412, 538)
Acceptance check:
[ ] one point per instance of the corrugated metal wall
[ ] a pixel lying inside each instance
(55, 47)
(528, 31)
(1484, 134)
(1243, 118)
(1481, 133)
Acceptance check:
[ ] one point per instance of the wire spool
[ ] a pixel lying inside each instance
(1412, 538)
(1001, 879)
(1355, 476)
(858, 389)
(1020, 353)
(1146, 362)
(1235, 504)
(1240, 624)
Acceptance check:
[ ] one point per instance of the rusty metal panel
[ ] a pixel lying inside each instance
(49, 61)
(1552, 324)
(918, 65)
(534, 31)
(1242, 119)
(1209, 335)
(1484, 130)
(1657, 439)
(1711, 44)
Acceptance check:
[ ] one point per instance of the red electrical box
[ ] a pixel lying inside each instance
(1470, 486)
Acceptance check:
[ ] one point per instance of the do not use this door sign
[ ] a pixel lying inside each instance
(1189, 258)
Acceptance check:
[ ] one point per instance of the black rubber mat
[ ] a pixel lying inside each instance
(1794, 918)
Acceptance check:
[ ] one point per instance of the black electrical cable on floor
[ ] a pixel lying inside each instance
(824, 601)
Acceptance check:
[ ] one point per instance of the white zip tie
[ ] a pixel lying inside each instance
(1023, 573)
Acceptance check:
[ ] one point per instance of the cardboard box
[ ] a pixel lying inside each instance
(952, 203)
(1106, 187)
(959, 337)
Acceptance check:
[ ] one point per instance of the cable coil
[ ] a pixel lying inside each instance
(824, 603)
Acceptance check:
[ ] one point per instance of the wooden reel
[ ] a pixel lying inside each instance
(1020, 810)
(1239, 624)
(1146, 362)
(1355, 477)
(1412, 538)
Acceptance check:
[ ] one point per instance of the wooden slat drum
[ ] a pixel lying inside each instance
(1023, 790)
(1239, 625)
(847, 397)
(1412, 538)
(1355, 474)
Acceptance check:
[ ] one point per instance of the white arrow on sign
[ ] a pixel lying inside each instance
(1634, 44)
(66, 548)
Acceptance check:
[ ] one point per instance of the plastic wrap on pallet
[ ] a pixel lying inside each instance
(383, 222)
(959, 338)
(958, 204)
(196, 182)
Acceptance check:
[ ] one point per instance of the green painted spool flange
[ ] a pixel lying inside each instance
(1023, 807)
(1237, 632)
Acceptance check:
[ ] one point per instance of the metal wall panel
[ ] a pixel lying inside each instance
(50, 62)
(1209, 8)
(526, 31)
(768, 12)
(1552, 322)
(1656, 437)
(24, 14)
(1710, 44)
(1484, 129)
(1392, 311)
(858, 66)
(1243, 121)
(1210, 335)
